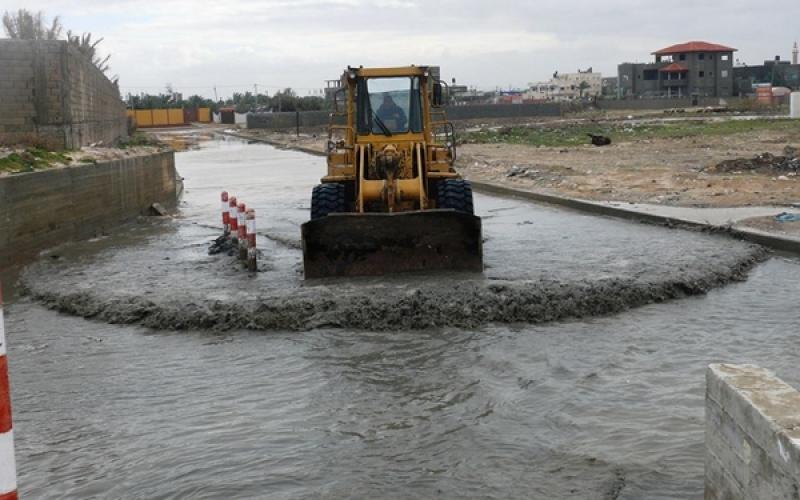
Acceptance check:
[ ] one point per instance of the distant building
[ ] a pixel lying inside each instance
(566, 87)
(776, 73)
(331, 87)
(609, 86)
(687, 69)
(508, 97)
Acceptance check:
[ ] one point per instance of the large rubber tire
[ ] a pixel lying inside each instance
(327, 199)
(456, 194)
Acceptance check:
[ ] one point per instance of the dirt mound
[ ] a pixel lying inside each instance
(765, 162)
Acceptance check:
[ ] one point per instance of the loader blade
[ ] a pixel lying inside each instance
(384, 243)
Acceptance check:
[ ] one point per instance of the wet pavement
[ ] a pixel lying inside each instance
(609, 406)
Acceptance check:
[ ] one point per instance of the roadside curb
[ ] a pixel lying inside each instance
(277, 144)
(775, 242)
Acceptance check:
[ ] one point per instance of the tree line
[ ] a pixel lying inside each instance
(283, 100)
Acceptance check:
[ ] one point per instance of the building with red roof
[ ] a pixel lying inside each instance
(690, 47)
(695, 68)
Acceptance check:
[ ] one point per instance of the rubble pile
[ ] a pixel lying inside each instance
(789, 163)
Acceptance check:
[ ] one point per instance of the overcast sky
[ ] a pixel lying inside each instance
(234, 44)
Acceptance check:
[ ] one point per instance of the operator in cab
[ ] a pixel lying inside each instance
(392, 115)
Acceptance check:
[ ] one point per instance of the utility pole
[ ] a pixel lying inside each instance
(216, 99)
(255, 87)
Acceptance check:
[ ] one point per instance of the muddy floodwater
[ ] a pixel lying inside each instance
(142, 367)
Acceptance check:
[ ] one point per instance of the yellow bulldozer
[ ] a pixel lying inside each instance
(391, 200)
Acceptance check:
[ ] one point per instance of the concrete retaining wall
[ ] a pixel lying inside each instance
(288, 120)
(752, 434)
(46, 208)
(321, 118)
(50, 90)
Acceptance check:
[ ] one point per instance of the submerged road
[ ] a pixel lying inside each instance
(342, 396)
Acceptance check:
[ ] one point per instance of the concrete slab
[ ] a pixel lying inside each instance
(752, 434)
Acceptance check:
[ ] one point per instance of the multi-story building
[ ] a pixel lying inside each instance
(331, 87)
(776, 73)
(566, 87)
(687, 69)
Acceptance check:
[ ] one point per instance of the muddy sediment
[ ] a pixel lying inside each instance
(467, 304)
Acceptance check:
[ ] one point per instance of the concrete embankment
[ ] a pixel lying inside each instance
(752, 434)
(689, 218)
(46, 208)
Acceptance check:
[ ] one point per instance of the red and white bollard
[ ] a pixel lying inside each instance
(233, 219)
(242, 232)
(251, 240)
(8, 465)
(225, 223)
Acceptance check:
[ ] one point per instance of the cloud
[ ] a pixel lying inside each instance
(300, 43)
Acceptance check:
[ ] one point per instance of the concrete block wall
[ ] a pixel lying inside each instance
(95, 111)
(288, 120)
(752, 435)
(49, 89)
(17, 109)
(46, 208)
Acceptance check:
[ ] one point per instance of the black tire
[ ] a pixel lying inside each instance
(456, 194)
(327, 199)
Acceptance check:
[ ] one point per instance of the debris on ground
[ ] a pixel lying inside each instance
(789, 162)
(516, 171)
(787, 217)
(713, 109)
(157, 209)
(600, 140)
(222, 244)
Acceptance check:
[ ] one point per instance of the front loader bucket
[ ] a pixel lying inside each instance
(384, 243)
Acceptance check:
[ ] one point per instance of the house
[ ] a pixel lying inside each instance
(566, 87)
(694, 68)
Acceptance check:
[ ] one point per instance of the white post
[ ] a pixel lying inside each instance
(233, 220)
(251, 240)
(794, 105)
(240, 215)
(225, 208)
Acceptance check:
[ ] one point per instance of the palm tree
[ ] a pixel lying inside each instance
(582, 87)
(88, 48)
(25, 25)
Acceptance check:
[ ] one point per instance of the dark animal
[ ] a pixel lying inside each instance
(600, 140)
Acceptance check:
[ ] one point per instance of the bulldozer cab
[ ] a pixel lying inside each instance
(390, 153)
(389, 106)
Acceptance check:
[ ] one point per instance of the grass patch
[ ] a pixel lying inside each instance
(32, 159)
(577, 134)
(139, 139)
